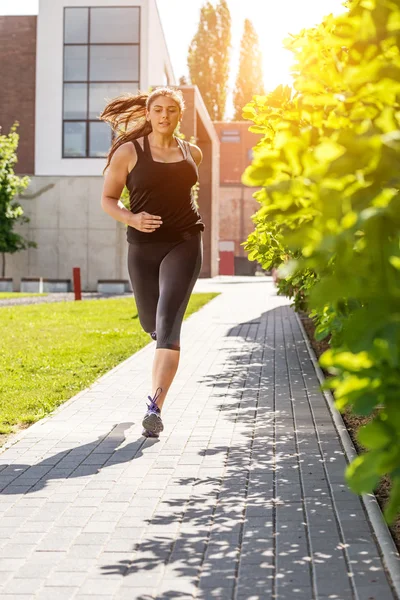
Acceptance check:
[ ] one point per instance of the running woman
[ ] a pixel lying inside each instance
(164, 232)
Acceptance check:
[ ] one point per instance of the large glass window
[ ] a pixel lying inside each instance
(74, 139)
(114, 63)
(101, 61)
(75, 63)
(76, 26)
(75, 101)
(100, 93)
(110, 25)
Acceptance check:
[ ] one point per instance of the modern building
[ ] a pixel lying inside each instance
(58, 69)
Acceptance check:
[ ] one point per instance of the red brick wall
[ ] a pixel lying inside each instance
(236, 208)
(235, 155)
(193, 125)
(18, 76)
(237, 204)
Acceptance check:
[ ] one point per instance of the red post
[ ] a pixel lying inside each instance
(77, 283)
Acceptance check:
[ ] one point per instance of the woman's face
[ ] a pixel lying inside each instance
(164, 114)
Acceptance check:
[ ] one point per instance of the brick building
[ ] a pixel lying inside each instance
(18, 74)
(236, 201)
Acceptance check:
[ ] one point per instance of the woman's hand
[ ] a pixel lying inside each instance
(143, 221)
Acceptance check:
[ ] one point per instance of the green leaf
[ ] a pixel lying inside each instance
(256, 128)
(361, 473)
(365, 404)
(375, 435)
(395, 262)
(328, 151)
(392, 507)
(349, 361)
(388, 459)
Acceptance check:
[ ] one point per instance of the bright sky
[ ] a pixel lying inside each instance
(273, 21)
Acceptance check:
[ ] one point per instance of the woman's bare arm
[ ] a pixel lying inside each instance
(114, 183)
(196, 153)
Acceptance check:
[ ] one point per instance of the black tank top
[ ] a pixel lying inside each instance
(164, 189)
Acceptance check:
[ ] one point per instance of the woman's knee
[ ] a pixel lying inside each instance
(168, 331)
(168, 346)
(147, 319)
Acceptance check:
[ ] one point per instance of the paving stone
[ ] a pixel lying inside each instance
(24, 586)
(16, 550)
(144, 593)
(83, 551)
(36, 527)
(175, 588)
(66, 579)
(14, 596)
(11, 564)
(101, 586)
(31, 569)
(210, 594)
(88, 539)
(46, 557)
(56, 593)
(75, 565)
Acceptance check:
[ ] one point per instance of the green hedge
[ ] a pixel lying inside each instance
(329, 171)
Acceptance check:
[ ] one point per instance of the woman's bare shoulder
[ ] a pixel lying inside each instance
(196, 153)
(125, 157)
(124, 151)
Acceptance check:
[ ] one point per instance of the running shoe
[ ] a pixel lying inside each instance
(152, 419)
(150, 434)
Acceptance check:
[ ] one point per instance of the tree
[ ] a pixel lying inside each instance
(208, 57)
(249, 80)
(11, 212)
(222, 54)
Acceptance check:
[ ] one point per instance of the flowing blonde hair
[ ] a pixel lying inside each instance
(126, 115)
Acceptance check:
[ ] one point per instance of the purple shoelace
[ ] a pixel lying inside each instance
(152, 407)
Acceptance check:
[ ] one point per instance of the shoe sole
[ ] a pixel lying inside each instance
(150, 434)
(153, 423)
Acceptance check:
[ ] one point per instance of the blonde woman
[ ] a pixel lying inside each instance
(164, 232)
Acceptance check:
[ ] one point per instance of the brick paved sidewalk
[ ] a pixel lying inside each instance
(242, 497)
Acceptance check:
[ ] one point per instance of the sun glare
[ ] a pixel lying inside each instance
(275, 22)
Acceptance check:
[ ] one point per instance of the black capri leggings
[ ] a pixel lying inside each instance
(163, 275)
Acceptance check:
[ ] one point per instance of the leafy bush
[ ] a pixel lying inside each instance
(11, 212)
(329, 171)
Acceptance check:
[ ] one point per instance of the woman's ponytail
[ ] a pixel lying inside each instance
(126, 115)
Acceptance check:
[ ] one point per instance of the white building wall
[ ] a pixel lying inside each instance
(71, 230)
(49, 79)
(159, 62)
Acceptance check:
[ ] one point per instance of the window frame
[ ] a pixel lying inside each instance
(88, 82)
(230, 136)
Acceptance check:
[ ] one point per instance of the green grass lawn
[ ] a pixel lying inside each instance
(49, 352)
(19, 294)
